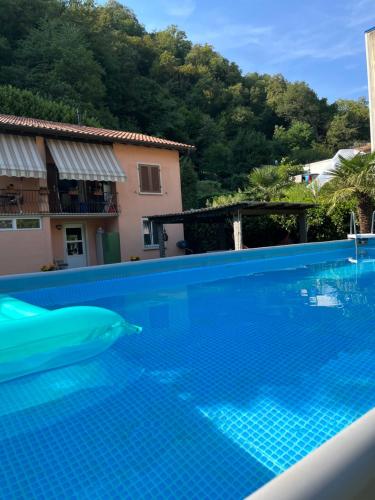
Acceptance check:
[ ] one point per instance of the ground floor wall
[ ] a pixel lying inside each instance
(130, 230)
(132, 243)
(90, 227)
(26, 250)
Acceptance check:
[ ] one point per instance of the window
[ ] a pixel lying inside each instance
(150, 234)
(28, 223)
(149, 179)
(6, 224)
(19, 223)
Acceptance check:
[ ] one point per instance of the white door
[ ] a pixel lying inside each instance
(75, 245)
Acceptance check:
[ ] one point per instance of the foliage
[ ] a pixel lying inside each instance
(355, 178)
(98, 58)
(216, 161)
(324, 223)
(134, 258)
(227, 199)
(189, 183)
(290, 141)
(270, 181)
(204, 237)
(297, 102)
(266, 183)
(276, 183)
(206, 190)
(48, 267)
(14, 101)
(302, 193)
(350, 125)
(56, 60)
(250, 149)
(288, 170)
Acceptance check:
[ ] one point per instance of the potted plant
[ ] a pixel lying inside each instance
(48, 267)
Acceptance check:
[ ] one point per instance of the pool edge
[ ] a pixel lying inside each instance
(343, 468)
(17, 282)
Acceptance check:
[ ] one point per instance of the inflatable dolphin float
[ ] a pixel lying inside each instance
(34, 339)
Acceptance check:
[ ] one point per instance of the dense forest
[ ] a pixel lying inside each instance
(78, 61)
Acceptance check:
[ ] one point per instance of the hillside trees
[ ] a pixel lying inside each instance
(349, 125)
(99, 59)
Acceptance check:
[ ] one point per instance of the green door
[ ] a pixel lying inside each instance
(111, 248)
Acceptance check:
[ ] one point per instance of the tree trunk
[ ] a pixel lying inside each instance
(365, 208)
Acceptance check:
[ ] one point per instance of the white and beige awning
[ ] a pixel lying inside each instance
(19, 157)
(85, 161)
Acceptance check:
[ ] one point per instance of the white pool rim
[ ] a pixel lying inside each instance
(343, 468)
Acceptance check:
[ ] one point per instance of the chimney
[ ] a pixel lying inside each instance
(370, 54)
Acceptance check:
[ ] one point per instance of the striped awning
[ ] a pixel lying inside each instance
(19, 157)
(85, 161)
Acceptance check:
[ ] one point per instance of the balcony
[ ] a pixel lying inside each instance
(45, 201)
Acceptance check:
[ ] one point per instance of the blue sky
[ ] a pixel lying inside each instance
(318, 41)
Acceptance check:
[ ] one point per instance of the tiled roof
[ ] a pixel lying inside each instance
(35, 125)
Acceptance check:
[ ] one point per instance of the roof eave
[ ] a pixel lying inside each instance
(226, 210)
(93, 137)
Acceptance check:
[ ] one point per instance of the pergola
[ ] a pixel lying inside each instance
(233, 212)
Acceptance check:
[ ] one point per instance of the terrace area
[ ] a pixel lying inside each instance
(60, 178)
(234, 213)
(62, 198)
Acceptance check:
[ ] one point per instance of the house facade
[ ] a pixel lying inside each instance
(77, 196)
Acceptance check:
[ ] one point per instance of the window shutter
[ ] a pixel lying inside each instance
(155, 180)
(149, 179)
(144, 182)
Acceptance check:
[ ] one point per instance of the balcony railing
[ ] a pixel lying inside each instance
(43, 201)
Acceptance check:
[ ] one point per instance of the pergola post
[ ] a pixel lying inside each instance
(302, 227)
(234, 213)
(237, 230)
(160, 232)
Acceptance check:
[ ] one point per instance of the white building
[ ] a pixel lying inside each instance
(319, 170)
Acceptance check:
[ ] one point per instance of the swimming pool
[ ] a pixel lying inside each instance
(243, 368)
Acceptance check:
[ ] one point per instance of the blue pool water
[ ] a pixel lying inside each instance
(232, 381)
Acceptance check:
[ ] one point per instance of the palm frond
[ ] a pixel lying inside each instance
(340, 195)
(357, 173)
(268, 182)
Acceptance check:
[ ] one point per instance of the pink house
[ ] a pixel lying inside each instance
(77, 196)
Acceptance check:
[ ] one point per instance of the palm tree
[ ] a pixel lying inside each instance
(268, 182)
(355, 178)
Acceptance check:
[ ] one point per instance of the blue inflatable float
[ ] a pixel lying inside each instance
(34, 339)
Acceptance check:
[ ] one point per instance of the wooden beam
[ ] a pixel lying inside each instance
(274, 211)
(216, 214)
(237, 230)
(160, 232)
(302, 226)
